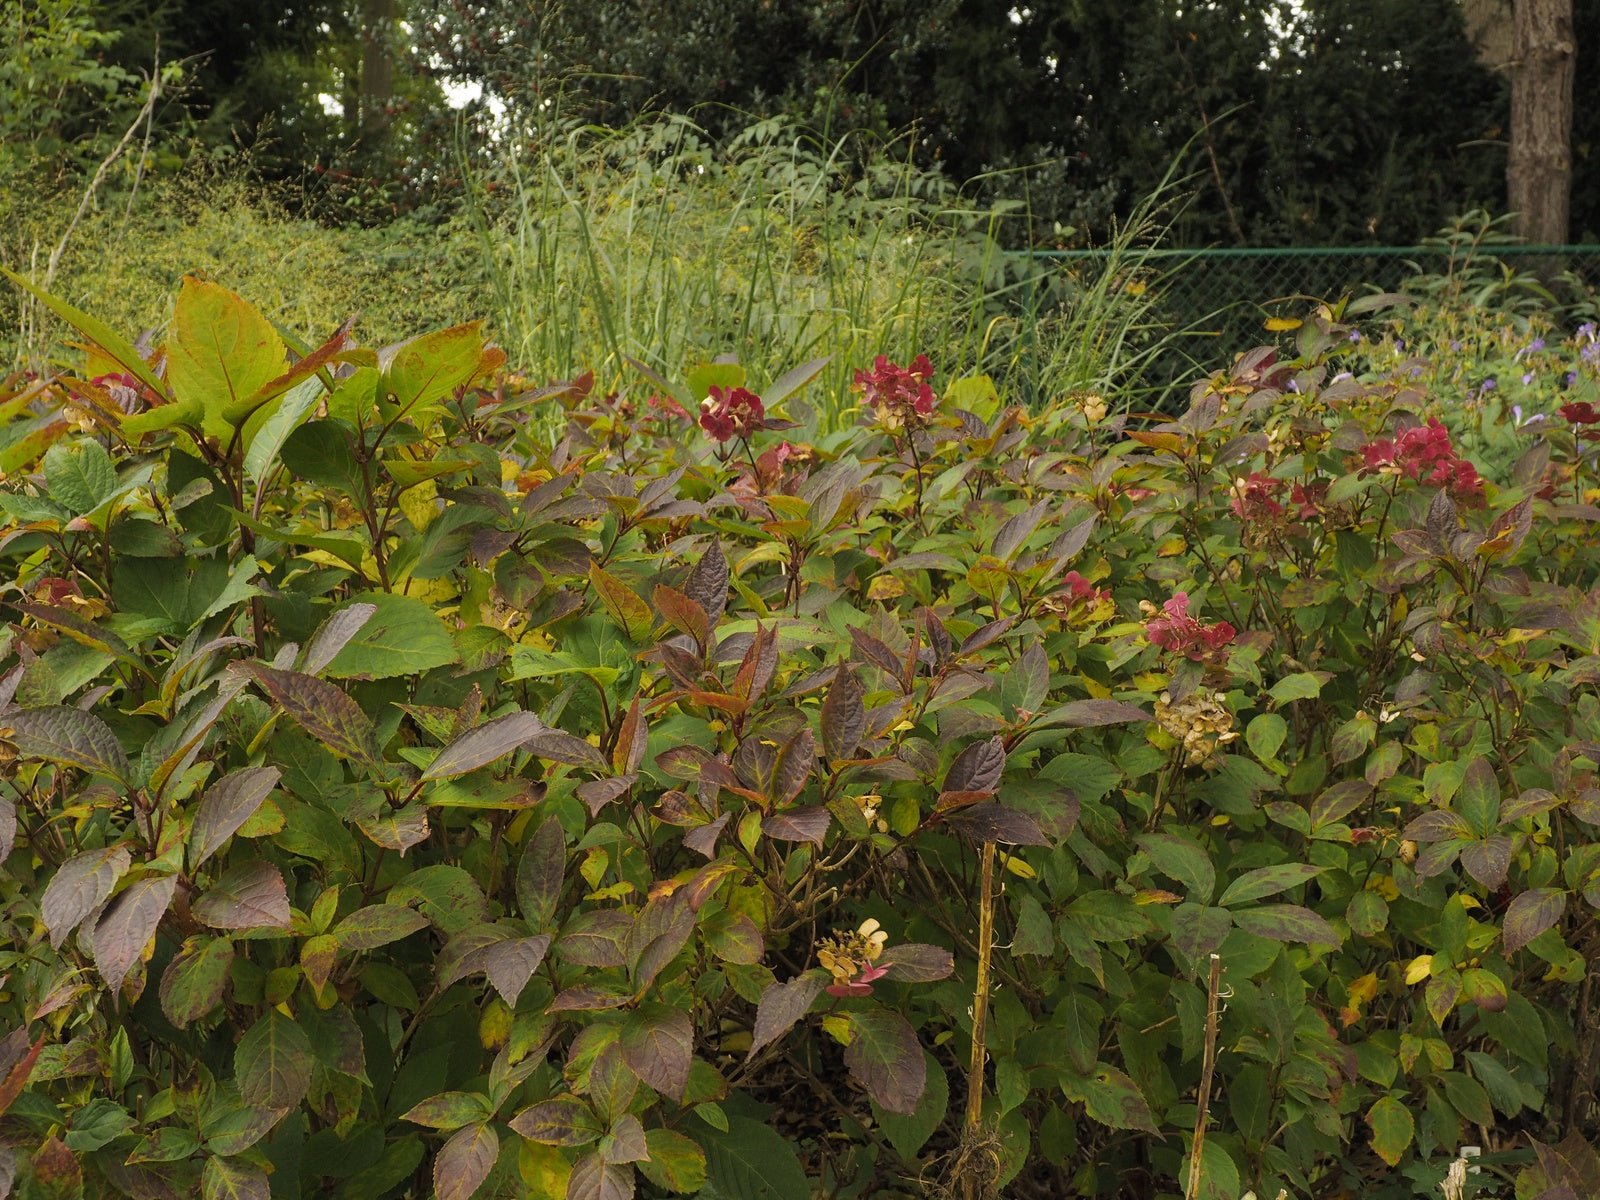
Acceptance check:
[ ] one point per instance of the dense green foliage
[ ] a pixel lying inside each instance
(615, 807)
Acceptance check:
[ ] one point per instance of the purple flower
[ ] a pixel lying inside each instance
(1355, 335)
(1570, 378)
(1527, 378)
(1488, 385)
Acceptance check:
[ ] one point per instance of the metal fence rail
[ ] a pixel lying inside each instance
(1213, 303)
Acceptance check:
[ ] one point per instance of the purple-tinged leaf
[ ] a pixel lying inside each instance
(683, 614)
(707, 584)
(323, 710)
(465, 1161)
(781, 1005)
(71, 737)
(1436, 825)
(79, 886)
(228, 804)
(556, 745)
(1339, 801)
(590, 998)
(875, 652)
(808, 824)
(625, 1142)
(703, 840)
(1089, 714)
(844, 717)
(249, 896)
(541, 873)
(510, 964)
(127, 924)
(1530, 914)
(917, 962)
(597, 793)
(977, 768)
(481, 746)
(17, 1056)
(791, 767)
(1287, 923)
(996, 823)
(595, 938)
(397, 829)
(8, 827)
(658, 1046)
(885, 1057)
(1488, 861)
(564, 1121)
(334, 634)
(593, 1178)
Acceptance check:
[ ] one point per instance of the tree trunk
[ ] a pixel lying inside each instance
(1539, 166)
(377, 67)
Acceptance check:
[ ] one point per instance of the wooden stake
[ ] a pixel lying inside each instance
(980, 1011)
(1208, 1066)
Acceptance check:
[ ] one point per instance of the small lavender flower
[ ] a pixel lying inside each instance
(1355, 335)
(1570, 378)
(1516, 415)
(1488, 385)
(1527, 378)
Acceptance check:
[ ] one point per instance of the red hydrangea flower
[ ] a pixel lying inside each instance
(1424, 453)
(1308, 498)
(1580, 413)
(901, 395)
(1254, 498)
(732, 412)
(1175, 630)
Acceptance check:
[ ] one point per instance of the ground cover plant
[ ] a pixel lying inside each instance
(967, 801)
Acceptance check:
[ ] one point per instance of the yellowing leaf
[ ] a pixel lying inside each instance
(1018, 867)
(1282, 324)
(1419, 968)
(838, 1028)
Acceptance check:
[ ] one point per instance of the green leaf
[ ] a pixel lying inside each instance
(1265, 736)
(404, 636)
(101, 334)
(233, 1179)
(1478, 798)
(220, 353)
(627, 609)
(273, 1062)
(909, 1132)
(885, 1057)
(1219, 1174)
(676, 1163)
(280, 419)
(752, 1161)
(1392, 1129)
(434, 366)
(1267, 881)
(447, 895)
(1112, 1099)
(377, 925)
(193, 983)
(81, 476)
(1184, 860)
(449, 1110)
(1302, 686)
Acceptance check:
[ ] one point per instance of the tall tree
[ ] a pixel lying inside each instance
(1539, 167)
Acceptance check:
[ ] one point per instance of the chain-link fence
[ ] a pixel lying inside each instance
(1211, 304)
